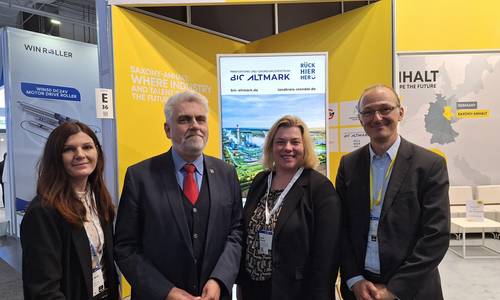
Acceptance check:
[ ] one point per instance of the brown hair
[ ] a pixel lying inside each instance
(54, 186)
(310, 158)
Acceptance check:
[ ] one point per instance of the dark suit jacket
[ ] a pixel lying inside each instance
(56, 257)
(305, 247)
(153, 246)
(414, 225)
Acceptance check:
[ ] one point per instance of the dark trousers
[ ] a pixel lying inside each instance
(256, 290)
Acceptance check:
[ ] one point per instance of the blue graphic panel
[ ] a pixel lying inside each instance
(35, 90)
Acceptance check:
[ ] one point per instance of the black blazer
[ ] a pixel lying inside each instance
(56, 256)
(305, 244)
(414, 225)
(153, 246)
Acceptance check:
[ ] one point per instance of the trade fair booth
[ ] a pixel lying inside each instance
(444, 68)
(154, 58)
(442, 57)
(169, 57)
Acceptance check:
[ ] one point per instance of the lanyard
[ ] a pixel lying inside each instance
(93, 213)
(377, 200)
(282, 195)
(93, 254)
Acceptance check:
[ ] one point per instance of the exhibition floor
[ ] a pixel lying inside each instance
(468, 279)
(462, 279)
(10, 269)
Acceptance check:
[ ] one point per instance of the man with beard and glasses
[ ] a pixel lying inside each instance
(179, 223)
(396, 218)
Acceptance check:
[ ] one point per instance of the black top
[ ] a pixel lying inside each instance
(56, 260)
(305, 243)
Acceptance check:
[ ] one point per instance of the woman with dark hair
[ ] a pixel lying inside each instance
(292, 222)
(66, 233)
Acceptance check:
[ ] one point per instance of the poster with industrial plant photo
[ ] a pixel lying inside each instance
(255, 90)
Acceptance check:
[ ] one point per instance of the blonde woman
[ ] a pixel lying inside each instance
(292, 222)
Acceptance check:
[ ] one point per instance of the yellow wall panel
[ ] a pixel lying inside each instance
(359, 46)
(183, 57)
(434, 25)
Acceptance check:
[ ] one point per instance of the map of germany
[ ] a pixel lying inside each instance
(452, 106)
(438, 121)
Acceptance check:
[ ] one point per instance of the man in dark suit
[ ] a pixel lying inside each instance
(179, 222)
(396, 217)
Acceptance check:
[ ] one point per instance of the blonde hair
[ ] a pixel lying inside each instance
(310, 158)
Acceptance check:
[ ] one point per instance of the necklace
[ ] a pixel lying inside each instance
(81, 195)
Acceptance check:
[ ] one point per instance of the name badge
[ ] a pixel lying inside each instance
(265, 241)
(372, 232)
(97, 282)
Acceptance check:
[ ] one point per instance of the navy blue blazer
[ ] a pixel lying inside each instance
(153, 247)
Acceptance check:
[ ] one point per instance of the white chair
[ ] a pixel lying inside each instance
(458, 195)
(489, 194)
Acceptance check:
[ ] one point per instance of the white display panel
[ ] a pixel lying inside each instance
(452, 103)
(256, 90)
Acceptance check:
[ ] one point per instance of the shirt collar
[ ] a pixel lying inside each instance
(392, 151)
(179, 162)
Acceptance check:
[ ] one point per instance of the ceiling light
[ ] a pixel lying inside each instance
(54, 21)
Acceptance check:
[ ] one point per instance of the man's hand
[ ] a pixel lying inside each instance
(383, 293)
(179, 294)
(211, 290)
(364, 290)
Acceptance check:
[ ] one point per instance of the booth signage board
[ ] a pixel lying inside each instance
(256, 90)
(51, 80)
(104, 103)
(452, 106)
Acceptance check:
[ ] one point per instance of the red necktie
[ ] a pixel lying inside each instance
(190, 188)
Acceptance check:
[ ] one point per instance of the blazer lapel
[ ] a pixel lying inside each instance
(254, 198)
(172, 193)
(82, 248)
(362, 185)
(401, 167)
(212, 183)
(290, 202)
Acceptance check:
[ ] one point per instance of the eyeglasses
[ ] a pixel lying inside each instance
(384, 111)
